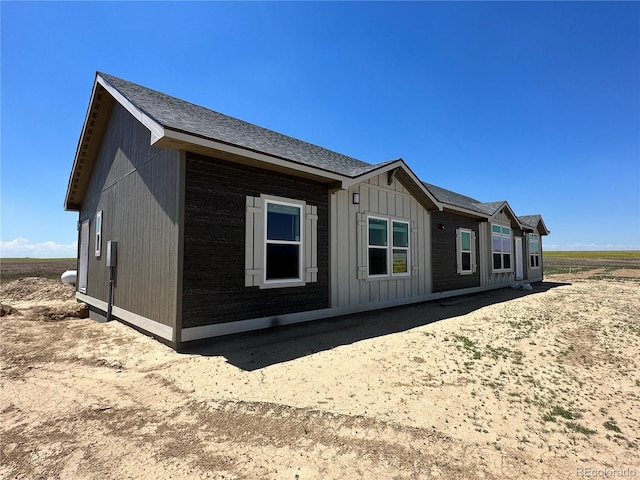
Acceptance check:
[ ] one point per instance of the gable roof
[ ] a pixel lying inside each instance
(534, 222)
(458, 200)
(181, 125)
(174, 114)
(178, 124)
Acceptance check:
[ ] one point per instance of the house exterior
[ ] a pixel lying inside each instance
(222, 226)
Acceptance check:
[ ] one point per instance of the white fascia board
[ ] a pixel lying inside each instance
(450, 206)
(157, 130)
(546, 230)
(386, 168)
(182, 137)
(421, 186)
(372, 173)
(80, 141)
(512, 213)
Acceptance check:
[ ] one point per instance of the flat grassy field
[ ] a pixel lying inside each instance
(594, 254)
(14, 268)
(619, 265)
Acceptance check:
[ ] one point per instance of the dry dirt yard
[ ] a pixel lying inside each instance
(507, 384)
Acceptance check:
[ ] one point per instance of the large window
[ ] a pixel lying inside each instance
(534, 250)
(466, 251)
(283, 242)
(388, 247)
(501, 247)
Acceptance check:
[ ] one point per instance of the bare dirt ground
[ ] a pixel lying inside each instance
(506, 384)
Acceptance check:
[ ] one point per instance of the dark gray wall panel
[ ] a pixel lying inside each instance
(214, 243)
(136, 187)
(444, 255)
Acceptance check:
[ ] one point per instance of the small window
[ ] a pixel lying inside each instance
(465, 250)
(378, 246)
(465, 247)
(283, 242)
(400, 248)
(534, 250)
(99, 233)
(388, 248)
(501, 247)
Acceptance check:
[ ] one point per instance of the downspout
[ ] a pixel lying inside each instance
(110, 300)
(111, 264)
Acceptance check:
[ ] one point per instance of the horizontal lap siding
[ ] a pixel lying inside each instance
(444, 260)
(136, 186)
(214, 244)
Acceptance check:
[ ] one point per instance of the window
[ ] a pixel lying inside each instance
(400, 248)
(381, 241)
(98, 233)
(466, 251)
(501, 247)
(283, 243)
(534, 250)
(378, 246)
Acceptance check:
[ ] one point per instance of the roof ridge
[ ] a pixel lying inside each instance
(230, 127)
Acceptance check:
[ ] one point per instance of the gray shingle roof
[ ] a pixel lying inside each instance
(530, 220)
(452, 198)
(179, 115)
(176, 114)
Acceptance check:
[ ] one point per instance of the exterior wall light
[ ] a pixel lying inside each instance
(356, 198)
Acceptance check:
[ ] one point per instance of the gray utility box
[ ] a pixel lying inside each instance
(112, 256)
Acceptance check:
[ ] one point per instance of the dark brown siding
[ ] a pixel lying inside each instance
(136, 186)
(214, 243)
(444, 255)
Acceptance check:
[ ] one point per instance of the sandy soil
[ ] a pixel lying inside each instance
(507, 384)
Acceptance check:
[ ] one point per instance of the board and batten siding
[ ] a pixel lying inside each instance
(214, 290)
(136, 186)
(444, 261)
(533, 274)
(487, 277)
(349, 285)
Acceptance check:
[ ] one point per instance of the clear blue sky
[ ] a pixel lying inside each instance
(536, 103)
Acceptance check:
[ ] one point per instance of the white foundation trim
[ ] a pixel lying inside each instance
(151, 326)
(228, 328)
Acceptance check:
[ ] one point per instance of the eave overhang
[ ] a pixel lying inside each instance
(102, 99)
(180, 140)
(449, 207)
(399, 169)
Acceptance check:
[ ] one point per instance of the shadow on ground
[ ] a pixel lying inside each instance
(258, 349)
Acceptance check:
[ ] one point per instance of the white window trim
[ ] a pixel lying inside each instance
(537, 241)
(502, 235)
(472, 254)
(407, 249)
(98, 237)
(288, 282)
(389, 248)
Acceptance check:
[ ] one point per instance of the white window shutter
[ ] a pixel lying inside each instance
(254, 242)
(311, 243)
(458, 251)
(363, 244)
(413, 250)
(474, 263)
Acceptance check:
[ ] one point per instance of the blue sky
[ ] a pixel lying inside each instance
(536, 103)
